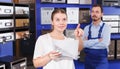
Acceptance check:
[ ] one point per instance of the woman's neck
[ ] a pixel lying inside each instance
(57, 35)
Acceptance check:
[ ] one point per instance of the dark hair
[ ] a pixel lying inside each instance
(98, 5)
(57, 11)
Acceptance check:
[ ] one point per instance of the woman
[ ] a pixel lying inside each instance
(44, 54)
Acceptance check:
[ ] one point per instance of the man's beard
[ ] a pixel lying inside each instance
(95, 19)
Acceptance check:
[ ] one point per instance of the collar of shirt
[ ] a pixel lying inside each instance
(100, 24)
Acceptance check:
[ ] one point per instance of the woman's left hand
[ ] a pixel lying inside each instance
(78, 32)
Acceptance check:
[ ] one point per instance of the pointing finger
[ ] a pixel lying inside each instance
(78, 26)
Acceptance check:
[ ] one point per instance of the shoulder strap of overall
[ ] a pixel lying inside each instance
(100, 30)
(89, 32)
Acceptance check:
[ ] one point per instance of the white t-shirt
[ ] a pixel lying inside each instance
(44, 45)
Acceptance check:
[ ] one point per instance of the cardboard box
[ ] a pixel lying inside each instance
(22, 22)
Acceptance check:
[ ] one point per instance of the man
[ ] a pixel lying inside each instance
(96, 41)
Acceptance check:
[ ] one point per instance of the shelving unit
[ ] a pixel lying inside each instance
(14, 28)
(6, 28)
(22, 21)
(10, 25)
(6, 22)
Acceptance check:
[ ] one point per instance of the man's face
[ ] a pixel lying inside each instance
(96, 13)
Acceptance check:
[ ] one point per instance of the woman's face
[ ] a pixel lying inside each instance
(59, 22)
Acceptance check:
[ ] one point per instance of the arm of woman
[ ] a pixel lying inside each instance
(80, 44)
(43, 60)
(78, 35)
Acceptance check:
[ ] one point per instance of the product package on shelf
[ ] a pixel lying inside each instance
(46, 15)
(111, 54)
(22, 10)
(58, 1)
(14, 62)
(8, 36)
(113, 21)
(73, 1)
(22, 35)
(2, 66)
(85, 1)
(6, 23)
(46, 1)
(4, 9)
(22, 22)
(84, 15)
(111, 2)
(70, 33)
(118, 49)
(72, 14)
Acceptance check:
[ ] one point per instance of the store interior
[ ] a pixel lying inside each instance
(19, 29)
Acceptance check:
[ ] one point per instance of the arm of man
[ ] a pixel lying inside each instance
(105, 40)
(88, 43)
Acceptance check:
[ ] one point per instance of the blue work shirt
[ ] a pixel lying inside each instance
(94, 43)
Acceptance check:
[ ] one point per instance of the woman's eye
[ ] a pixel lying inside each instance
(64, 19)
(57, 19)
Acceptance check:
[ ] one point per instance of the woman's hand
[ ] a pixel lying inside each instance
(78, 32)
(43, 60)
(54, 55)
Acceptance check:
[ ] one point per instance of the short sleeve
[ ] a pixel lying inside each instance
(39, 50)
